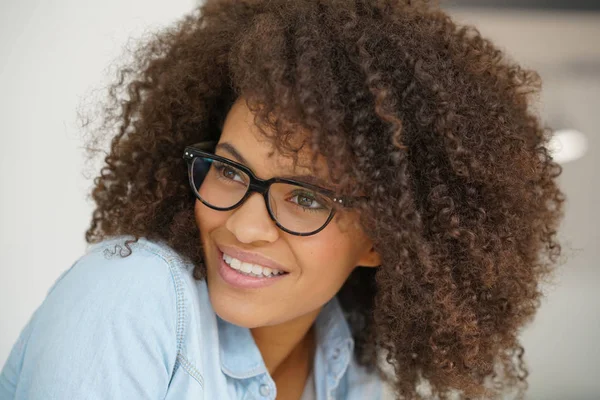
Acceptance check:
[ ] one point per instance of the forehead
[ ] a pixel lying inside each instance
(259, 152)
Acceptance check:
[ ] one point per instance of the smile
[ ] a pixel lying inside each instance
(251, 269)
(233, 272)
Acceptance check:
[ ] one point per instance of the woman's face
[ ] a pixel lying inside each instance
(316, 266)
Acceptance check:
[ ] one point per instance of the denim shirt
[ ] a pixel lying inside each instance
(141, 327)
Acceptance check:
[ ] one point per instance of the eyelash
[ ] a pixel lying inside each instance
(310, 209)
(222, 167)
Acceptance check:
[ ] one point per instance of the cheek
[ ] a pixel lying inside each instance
(207, 219)
(199, 214)
(328, 255)
(325, 252)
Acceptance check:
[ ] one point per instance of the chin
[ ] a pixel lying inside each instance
(236, 311)
(231, 306)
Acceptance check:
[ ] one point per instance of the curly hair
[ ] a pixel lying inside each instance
(428, 118)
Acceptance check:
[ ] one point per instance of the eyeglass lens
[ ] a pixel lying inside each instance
(296, 208)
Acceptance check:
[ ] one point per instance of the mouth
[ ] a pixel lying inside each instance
(241, 274)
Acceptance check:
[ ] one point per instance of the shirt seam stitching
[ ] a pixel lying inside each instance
(169, 258)
(189, 367)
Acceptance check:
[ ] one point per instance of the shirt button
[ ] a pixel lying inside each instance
(336, 353)
(264, 390)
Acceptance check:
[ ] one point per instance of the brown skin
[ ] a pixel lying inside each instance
(290, 377)
(424, 116)
(318, 265)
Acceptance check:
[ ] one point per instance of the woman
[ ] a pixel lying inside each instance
(306, 199)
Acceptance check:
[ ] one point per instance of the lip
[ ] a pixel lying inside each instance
(253, 258)
(241, 281)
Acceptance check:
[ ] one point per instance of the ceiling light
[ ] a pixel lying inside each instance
(567, 145)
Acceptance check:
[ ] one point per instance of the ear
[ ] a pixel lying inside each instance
(370, 258)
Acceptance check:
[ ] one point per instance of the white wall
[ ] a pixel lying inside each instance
(52, 54)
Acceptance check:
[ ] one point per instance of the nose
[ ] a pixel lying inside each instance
(251, 222)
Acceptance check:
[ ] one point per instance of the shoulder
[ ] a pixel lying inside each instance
(118, 313)
(121, 274)
(129, 278)
(125, 257)
(123, 265)
(125, 284)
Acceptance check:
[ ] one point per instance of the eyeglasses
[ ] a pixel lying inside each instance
(297, 208)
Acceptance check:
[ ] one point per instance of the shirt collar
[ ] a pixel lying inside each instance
(241, 359)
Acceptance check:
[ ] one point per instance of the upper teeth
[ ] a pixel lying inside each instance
(250, 268)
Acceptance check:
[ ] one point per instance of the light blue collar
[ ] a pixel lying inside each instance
(241, 359)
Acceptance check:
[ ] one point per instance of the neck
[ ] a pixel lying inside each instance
(289, 342)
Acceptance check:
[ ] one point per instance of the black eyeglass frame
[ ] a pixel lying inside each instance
(260, 186)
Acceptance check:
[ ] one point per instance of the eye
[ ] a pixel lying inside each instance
(227, 172)
(307, 200)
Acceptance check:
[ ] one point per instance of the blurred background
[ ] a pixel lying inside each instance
(57, 56)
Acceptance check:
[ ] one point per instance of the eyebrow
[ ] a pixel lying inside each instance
(305, 178)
